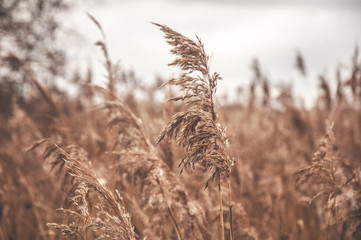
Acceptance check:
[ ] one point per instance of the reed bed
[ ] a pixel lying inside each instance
(105, 165)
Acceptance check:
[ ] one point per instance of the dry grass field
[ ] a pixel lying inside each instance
(104, 165)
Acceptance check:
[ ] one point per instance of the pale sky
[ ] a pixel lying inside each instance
(234, 32)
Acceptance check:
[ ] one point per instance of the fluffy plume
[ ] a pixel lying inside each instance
(300, 64)
(196, 129)
(331, 176)
(108, 219)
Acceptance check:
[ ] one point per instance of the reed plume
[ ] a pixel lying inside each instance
(354, 81)
(332, 176)
(327, 96)
(197, 129)
(92, 210)
(300, 64)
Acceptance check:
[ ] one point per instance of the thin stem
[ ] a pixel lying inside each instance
(230, 208)
(113, 183)
(175, 225)
(221, 208)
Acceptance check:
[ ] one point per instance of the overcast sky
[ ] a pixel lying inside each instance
(234, 32)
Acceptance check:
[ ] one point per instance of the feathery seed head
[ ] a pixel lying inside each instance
(196, 129)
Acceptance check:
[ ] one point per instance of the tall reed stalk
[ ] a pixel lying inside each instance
(196, 129)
